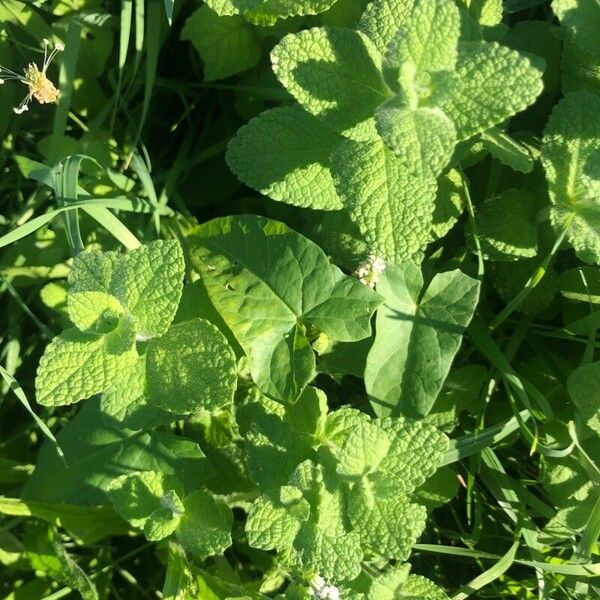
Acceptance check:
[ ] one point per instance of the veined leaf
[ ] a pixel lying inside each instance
(270, 304)
(418, 333)
(293, 162)
(335, 74)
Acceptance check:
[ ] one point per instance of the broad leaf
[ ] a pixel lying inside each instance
(418, 333)
(428, 38)
(383, 18)
(335, 74)
(77, 365)
(205, 527)
(571, 157)
(582, 19)
(227, 44)
(97, 453)
(506, 226)
(190, 368)
(392, 208)
(269, 304)
(422, 138)
(293, 162)
(490, 84)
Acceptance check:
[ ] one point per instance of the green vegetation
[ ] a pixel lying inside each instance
(300, 299)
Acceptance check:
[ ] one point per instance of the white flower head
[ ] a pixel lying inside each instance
(321, 590)
(40, 87)
(369, 271)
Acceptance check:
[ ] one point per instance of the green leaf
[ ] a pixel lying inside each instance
(335, 74)
(490, 84)
(363, 450)
(266, 12)
(269, 304)
(582, 19)
(227, 44)
(148, 281)
(77, 365)
(383, 18)
(127, 403)
(97, 452)
(293, 163)
(450, 202)
(94, 311)
(583, 385)
(417, 586)
(422, 138)
(390, 526)
(392, 208)
(570, 155)
(418, 334)
(274, 445)
(506, 226)
(191, 368)
(428, 39)
(507, 150)
(137, 496)
(205, 527)
(485, 12)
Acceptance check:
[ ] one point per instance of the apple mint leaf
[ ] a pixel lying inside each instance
(92, 272)
(383, 18)
(149, 281)
(450, 202)
(147, 501)
(582, 19)
(204, 529)
(274, 446)
(335, 74)
(127, 403)
(506, 226)
(418, 333)
(390, 526)
(310, 513)
(428, 38)
(226, 44)
(77, 365)
(571, 158)
(392, 208)
(417, 586)
(94, 311)
(293, 163)
(422, 139)
(190, 368)
(364, 448)
(489, 84)
(270, 304)
(267, 12)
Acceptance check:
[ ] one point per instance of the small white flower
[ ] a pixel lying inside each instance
(321, 590)
(370, 270)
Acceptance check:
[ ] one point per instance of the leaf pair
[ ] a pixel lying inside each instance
(350, 487)
(123, 343)
(276, 291)
(153, 502)
(380, 111)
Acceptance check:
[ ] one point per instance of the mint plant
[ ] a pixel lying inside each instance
(307, 294)
(398, 106)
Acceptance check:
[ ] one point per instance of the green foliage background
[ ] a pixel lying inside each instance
(300, 300)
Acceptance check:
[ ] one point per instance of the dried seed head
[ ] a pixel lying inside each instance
(36, 80)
